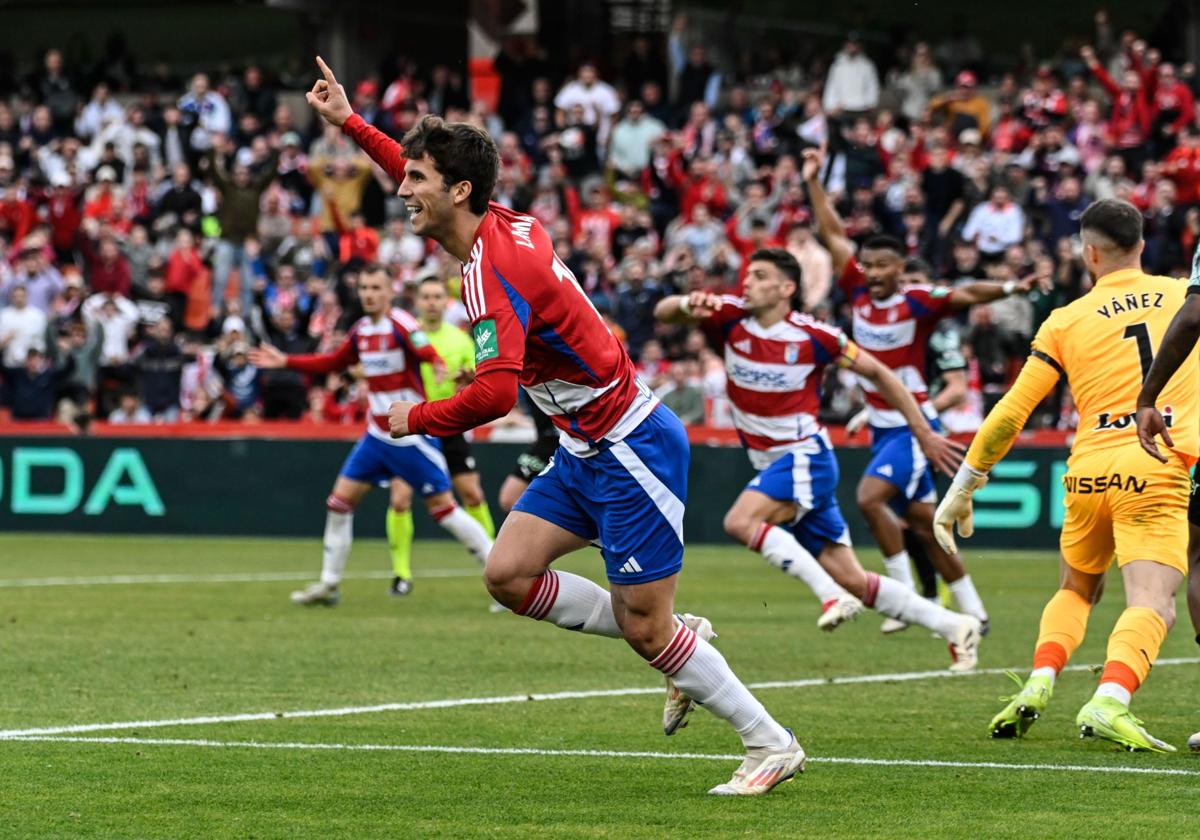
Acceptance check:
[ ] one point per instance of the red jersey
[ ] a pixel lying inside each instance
(1183, 167)
(896, 331)
(391, 349)
(774, 376)
(528, 316)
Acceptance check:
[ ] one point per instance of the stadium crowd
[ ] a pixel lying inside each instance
(152, 229)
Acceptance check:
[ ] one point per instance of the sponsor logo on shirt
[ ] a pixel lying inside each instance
(1107, 422)
(486, 346)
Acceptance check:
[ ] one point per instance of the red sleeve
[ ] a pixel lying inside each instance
(852, 277)
(489, 397)
(382, 149)
(1187, 107)
(339, 359)
(929, 303)
(1105, 80)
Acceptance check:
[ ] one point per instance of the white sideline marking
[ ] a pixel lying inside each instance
(431, 748)
(231, 577)
(506, 699)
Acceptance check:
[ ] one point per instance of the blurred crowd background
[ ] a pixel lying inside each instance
(156, 223)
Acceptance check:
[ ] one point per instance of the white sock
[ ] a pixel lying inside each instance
(783, 551)
(968, 599)
(702, 673)
(894, 600)
(339, 534)
(1045, 671)
(466, 530)
(1117, 692)
(572, 602)
(899, 569)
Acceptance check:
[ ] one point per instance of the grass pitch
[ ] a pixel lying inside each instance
(202, 629)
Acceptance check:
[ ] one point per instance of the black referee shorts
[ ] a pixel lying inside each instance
(534, 459)
(459, 459)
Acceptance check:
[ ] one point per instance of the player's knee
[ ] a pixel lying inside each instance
(471, 496)
(510, 491)
(868, 500)
(646, 634)
(740, 526)
(503, 585)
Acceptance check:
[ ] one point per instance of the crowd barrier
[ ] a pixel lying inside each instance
(272, 480)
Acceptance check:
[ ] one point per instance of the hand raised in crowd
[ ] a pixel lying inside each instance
(812, 159)
(328, 98)
(703, 305)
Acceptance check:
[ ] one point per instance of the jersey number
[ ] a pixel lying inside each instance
(564, 274)
(1141, 334)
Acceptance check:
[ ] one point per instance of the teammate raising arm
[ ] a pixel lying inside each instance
(619, 476)
(895, 322)
(1119, 500)
(775, 358)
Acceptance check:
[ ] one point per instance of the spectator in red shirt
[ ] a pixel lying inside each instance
(107, 270)
(1132, 112)
(703, 187)
(358, 240)
(598, 221)
(1174, 107)
(1183, 165)
(184, 270)
(62, 212)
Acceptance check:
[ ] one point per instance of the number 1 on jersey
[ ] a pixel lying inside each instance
(1141, 334)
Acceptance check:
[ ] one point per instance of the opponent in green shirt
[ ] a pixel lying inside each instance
(458, 352)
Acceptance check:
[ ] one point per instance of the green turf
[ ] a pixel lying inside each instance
(84, 654)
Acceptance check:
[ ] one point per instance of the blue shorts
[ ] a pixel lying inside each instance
(420, 463)
(628, 498)
(897, 459)
(807, 476)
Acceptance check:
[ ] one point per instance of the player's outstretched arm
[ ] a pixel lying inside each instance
(1176, 345)
(829, 225)
(973, 293)
(328, 98)
(691, 308)
(943, 453)
(490, 396)
(268, 356)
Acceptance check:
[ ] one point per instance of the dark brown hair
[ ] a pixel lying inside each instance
(1117, 221)
(460, 152)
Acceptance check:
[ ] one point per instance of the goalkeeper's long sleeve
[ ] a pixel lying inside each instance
(1004, 422)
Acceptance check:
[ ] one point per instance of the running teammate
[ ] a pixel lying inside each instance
(775, 358)
(1119, 500)
(895, 324)
(619, 476)
(457, 353)
(1176, 348)
(390, 345)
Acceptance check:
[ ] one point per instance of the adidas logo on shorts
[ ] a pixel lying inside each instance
(631, 567)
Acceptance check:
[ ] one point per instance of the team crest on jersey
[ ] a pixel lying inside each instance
(791, 353)
(742, 346)
(486, 346)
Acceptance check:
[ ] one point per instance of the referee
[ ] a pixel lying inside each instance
(458, 352)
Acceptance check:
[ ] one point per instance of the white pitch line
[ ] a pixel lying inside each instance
(507, 699)
(230, 577)
(523, 751)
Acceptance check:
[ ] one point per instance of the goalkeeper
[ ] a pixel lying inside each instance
(1120, 501)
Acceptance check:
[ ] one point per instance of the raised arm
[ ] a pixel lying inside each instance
(328, 98)
(972, 293)
(829, 225)
(687, 309)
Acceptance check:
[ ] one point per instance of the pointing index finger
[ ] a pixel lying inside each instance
(329, 77)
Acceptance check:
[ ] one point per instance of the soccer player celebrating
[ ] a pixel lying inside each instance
(390, 345)
(619, 476)
(895, 323)
(457, 352)
(1119, 500)
(775, 358)
(1176, 348)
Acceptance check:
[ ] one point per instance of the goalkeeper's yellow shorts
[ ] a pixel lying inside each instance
(1122, 502)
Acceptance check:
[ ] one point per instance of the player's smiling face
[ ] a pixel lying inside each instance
(426, 196)
(883, 268)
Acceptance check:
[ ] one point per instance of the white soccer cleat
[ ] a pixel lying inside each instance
(763, 769)
(892, 625)
(838, 611)
(964, 647)
(324, 594)
(679, 706)
(1194, 742)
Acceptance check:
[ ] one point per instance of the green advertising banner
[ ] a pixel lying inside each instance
(257, 487)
